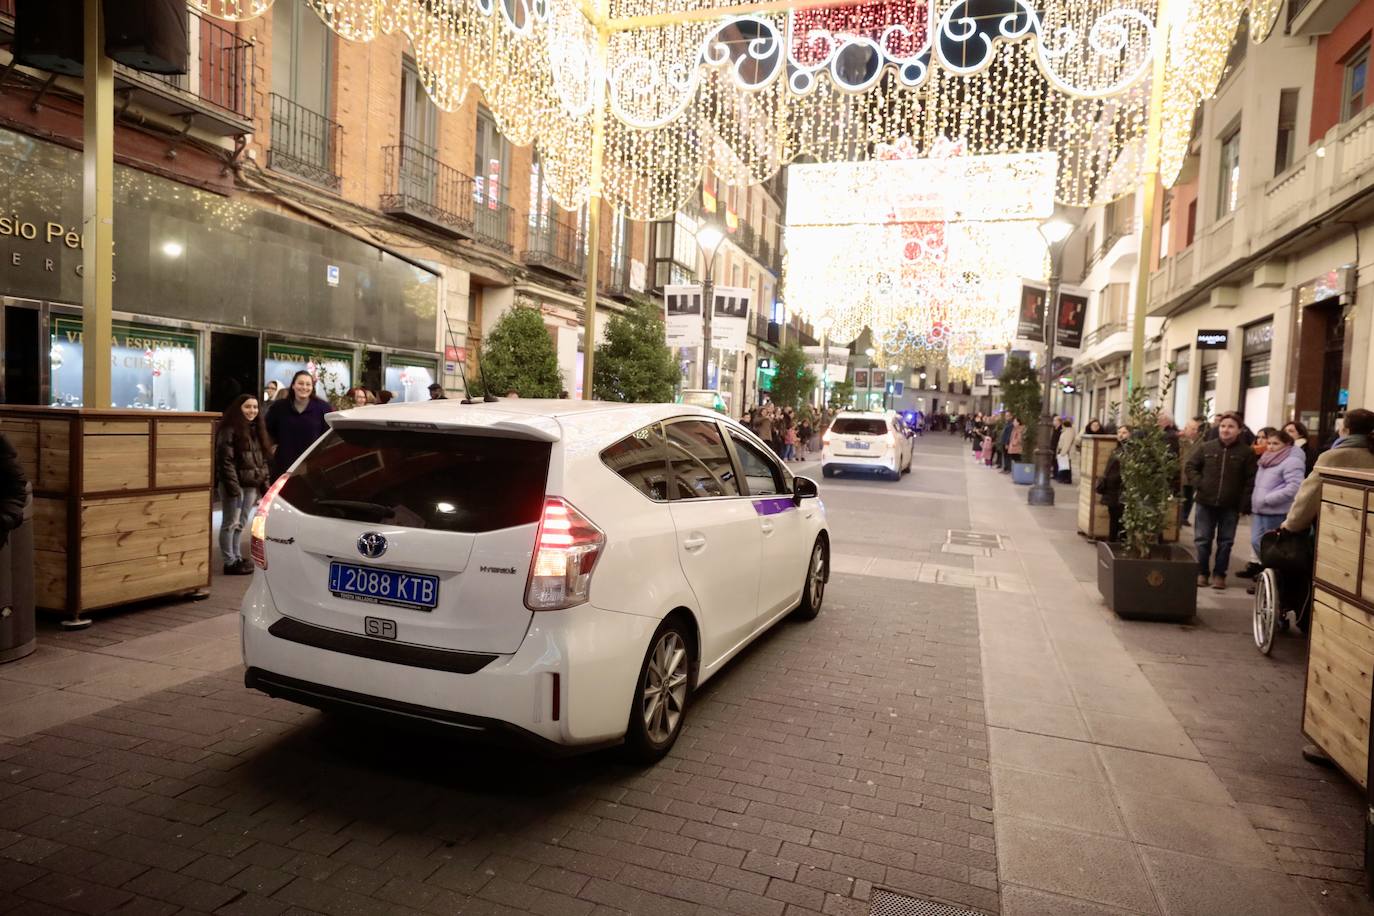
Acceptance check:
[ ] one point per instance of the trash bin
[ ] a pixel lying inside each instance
(17, 637)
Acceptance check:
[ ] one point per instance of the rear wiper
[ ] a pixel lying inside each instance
(358, 505)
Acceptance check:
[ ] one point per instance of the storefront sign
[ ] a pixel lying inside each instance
(1213, 340)
(1259, 338)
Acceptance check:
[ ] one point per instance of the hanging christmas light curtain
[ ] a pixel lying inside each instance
(927, 253)
(828, 84)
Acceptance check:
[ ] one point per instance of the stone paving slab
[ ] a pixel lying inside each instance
(832, 757)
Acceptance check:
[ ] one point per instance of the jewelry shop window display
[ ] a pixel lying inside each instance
(151, 367)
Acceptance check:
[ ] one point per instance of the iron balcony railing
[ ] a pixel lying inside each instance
(760, 328)
(304, 143)
(493, 220)
(747, 238)
(556, 244)
(618, 279)
(220, 68)
(423, 189)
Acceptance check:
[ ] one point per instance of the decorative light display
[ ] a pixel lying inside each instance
(1009, 76)
(927, 253)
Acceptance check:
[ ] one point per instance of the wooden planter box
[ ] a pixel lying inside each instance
(1163, 587)
(121, 502)
(1093, 520)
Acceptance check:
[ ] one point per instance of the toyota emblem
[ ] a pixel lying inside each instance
(371, 545)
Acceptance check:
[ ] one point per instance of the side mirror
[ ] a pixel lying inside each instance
(803, 488)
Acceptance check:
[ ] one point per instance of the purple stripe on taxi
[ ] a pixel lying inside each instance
(773, 506)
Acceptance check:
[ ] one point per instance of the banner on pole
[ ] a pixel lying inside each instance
(730, 319)
(816, 363)
(682, 321)
(1030, 315)
(1070, 316)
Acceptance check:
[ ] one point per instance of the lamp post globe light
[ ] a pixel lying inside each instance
(1055, 231)
(709, 239)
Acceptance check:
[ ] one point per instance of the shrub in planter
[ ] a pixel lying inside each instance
(1021, 395)
(1143, 577)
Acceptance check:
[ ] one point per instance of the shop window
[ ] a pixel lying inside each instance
(1286, 136)
(1228, 185)
(331, 368)
(409, 377)
(151, 367)
(1353, 91)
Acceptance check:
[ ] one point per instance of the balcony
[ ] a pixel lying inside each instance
(493, 220)
(425, 191)
(1322, 185)
(759, 328)
(214, 95)
(747, 239)
(618, 284)
(305, 144)
(1100, 333)
(1317, 17)
(556, 244)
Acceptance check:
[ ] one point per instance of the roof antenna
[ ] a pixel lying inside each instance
(486, 391)
(467, 392)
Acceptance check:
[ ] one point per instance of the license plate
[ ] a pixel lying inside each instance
(857, 446)
(383, 586)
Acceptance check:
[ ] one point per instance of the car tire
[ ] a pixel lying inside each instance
(662, 691)
(817, 574)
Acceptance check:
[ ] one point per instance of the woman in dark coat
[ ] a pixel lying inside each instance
(241, 467)
(294, 423)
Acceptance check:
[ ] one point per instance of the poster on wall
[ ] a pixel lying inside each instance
(860, 379)
(682, 316)
(730, 319)
(1030, 314)
(151, 368)
(1069, 319)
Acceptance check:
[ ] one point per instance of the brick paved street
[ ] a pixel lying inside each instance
(832, 758)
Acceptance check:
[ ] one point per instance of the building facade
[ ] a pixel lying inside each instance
(294, 199)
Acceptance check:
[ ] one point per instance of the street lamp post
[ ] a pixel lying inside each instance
(709, 237)
(868, 392)
(1056, 232)
(824, 323)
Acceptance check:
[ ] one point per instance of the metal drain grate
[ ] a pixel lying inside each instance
(891, 903)
(974, 539)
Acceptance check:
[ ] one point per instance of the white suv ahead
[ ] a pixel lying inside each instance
(561, 571)
(870, 443)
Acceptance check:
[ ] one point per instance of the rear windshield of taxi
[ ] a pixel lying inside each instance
(415, 479)
(859, 426)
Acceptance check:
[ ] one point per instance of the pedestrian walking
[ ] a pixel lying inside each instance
(294, 423)
(804, 436)
(1281, 470)
(1222, 472)
(1018, 434)
(1355, 449)
(1064, 452)
(1298, 431)
(241, 467)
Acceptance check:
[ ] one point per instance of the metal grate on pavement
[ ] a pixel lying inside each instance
(890, 903)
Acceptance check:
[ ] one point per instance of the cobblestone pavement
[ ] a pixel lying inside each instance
(831, 758)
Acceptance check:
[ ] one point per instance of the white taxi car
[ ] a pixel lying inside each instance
(560, 571)
(866, 442)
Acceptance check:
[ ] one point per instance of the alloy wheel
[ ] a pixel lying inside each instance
(815, 581)
(665, 687)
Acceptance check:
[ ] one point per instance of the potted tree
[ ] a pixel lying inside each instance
(1021, 395)
(1142, 578)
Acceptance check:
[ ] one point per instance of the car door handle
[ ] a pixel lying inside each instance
(767, 526)
(695, 542)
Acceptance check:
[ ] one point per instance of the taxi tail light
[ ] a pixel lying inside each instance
(828, 437)
(257, 542)
(892, 439)
(565, 553)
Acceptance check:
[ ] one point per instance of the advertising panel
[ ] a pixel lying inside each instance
(1070, 317)
(682, 320)
(730, 320)
(1030, 314)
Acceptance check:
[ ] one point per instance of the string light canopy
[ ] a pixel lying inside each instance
(628, 99)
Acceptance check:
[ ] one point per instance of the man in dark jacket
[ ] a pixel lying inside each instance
(1222, 474)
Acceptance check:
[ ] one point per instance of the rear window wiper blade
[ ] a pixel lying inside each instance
(359, 505)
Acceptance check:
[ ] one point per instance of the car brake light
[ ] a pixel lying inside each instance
(827, 437)
(565, 552)
(257, 542)
(892, 439)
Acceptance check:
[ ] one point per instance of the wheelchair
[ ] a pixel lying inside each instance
(1284, 586)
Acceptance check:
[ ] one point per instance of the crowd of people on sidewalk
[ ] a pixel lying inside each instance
(998, 440)
(791, 434)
